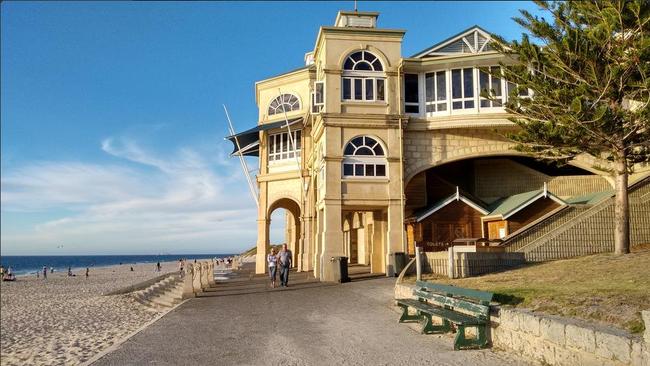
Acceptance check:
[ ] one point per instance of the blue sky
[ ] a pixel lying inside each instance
(112, 125)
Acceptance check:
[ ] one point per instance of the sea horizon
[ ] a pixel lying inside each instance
(30, 264)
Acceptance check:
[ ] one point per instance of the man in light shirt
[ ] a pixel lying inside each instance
(284, 259)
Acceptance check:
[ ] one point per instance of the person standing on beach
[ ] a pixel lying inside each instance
(44, 272)
(158, 267)
(272, 261)
(87, 272)
(285, 263)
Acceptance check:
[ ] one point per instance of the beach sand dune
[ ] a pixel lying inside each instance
(66, 320)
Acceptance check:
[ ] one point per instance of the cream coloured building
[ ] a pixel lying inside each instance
(371, 152)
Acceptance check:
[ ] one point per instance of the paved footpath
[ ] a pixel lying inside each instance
(305, 324)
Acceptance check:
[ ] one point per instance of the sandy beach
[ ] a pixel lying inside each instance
(66, 320)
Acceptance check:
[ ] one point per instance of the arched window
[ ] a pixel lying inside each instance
(363, 78)
(363, 61)
(364, 156)
(284, 103)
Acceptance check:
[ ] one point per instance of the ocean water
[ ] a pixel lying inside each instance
(21, 265)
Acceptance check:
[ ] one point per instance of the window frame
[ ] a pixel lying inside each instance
(364, 162)
(418, 88)
(436, 102)
(276, 149)
(279, 110)
(352, 76)
(318, 106)
(463, 99)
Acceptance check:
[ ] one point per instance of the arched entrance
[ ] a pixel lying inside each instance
(469, 198)
(292, 226)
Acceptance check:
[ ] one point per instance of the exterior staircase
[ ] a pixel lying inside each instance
(578, 230)
(163, 294)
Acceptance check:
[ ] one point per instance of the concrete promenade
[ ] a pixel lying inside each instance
(241, 322)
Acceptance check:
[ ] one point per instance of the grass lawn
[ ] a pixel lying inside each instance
(601, 288)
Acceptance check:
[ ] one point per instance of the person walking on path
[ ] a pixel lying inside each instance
(285, 263)
(272, 260)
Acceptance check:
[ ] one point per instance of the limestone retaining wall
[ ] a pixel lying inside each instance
(554, 340)
(560, 341)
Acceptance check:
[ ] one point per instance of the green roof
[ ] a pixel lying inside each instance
(505, 205)
(590, 198)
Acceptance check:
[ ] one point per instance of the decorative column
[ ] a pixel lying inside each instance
(262, 246)
(204, 275)
(394, 236)
(188, 290)
(211, 272)
(196, 278)
(332, 240)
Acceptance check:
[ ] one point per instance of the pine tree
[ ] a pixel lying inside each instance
(588, 71)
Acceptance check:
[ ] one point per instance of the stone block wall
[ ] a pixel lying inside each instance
(561, 341)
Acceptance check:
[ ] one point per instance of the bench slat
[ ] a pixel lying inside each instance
(482, 296)
(481, 311)
(452, 316)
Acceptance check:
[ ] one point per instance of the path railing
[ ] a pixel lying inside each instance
(197, 277)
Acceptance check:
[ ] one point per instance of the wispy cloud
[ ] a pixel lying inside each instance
(183, 201)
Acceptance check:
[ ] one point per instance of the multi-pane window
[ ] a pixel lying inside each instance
(436, 91)
(284, 103)
(281, 147)
(462, 88)
(411, 94)
(318, 97)
(522, 92)
(364, 157)
(363, 77)
(491, 84)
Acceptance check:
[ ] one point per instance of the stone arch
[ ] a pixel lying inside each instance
(295, 231)
(428, 149)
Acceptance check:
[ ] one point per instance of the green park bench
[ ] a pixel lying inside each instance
(465, 308)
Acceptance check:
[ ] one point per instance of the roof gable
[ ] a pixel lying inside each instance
(470, 41)
(508, 206)
(458, 196)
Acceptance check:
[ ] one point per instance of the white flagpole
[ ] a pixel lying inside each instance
(244, 166)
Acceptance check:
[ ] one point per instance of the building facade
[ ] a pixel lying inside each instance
(371, 152)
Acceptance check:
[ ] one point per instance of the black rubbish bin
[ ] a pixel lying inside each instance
(400, 262)
(341, 269)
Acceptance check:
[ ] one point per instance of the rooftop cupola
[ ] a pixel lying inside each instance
(356, 19)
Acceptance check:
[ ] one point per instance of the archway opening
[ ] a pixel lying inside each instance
(284, 227)
(489, 198)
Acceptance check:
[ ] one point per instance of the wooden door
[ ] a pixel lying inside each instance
(497, 229)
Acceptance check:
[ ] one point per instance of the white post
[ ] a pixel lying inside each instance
(450, 269)
(418, 264)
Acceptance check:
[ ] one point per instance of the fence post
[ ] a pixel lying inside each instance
(418, 264)
(450, 270)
